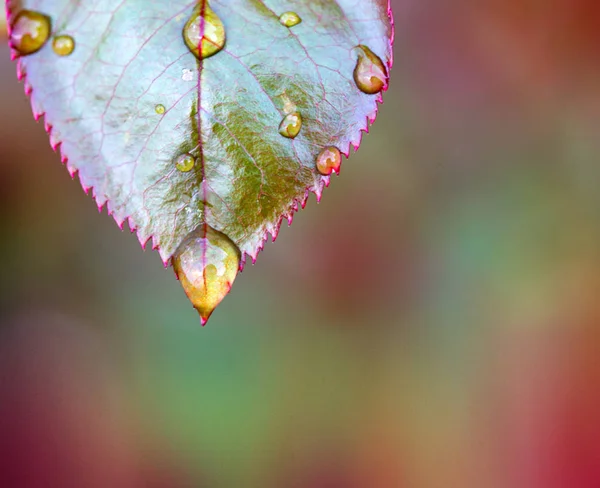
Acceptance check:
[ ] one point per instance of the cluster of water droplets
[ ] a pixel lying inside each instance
(30, 31)
(207, 261)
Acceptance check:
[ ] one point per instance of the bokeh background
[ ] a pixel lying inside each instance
(433, 322)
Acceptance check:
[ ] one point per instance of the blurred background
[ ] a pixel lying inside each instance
(433, 322)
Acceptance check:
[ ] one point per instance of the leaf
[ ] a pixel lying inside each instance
(132, 101)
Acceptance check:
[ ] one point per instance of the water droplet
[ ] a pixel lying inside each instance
(29, 32)
(206, 263)
(290, 125)
(370, 73)
(187, 74)
(290, 19)
(329, 161)
(160, 109)
(63, 45)
(185, 163)
(204, 33)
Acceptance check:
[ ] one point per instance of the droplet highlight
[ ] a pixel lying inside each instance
(160, 109)
(370, 74)
(204, 32)
(185, 163)
(187, 74)
(63, 45)
(329, 161)
(290, 125)
(29, 32)
(206, 263)
(290, 19)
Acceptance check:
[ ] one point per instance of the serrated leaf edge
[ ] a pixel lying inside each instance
(270, 230)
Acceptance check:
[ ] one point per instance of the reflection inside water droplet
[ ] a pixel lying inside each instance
(204, 33)
(290, 125)
(160, 109)
(185, 163)
(63, 45)
(206, 263)
(370, 74)
(290, 19)
(29, 32)
(329, 161)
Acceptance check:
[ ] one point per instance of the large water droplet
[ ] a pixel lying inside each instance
(63, 45)
(290, 19)
(204, 33)
(206, 264)
(29, 32)
(370, 74)
(329, 161)
(290, 125)
(185, 163)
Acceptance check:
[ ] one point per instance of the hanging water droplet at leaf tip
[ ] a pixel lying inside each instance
(206, 263)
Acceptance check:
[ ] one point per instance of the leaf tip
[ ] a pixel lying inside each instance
(203, 318)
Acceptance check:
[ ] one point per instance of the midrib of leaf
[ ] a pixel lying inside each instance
(197, 124)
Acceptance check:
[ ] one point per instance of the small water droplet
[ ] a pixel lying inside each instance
(29, 32)
(160, 109)
(290, 19)
(290, 125)
(204, 33)
(329, 161)
(370, 74)
(206, 263)
(63, 45)
(187, 74)
(185, 163)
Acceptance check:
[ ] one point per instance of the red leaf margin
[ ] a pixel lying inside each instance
(12, 6)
